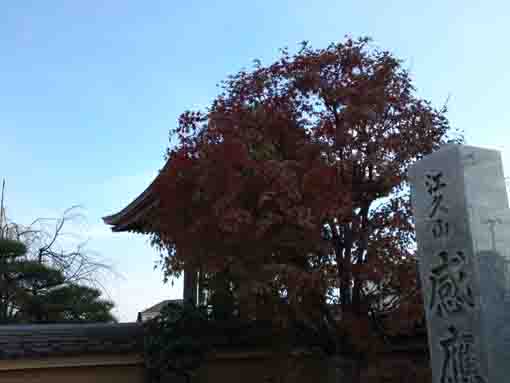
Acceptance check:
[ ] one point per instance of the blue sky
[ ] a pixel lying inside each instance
(89, 91)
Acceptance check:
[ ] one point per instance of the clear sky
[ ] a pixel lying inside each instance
(90, 89)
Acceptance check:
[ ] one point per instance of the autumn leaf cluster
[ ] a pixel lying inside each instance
(293, 182)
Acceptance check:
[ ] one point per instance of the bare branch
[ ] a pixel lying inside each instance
(46, 239)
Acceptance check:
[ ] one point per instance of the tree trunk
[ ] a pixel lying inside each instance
(190, 285)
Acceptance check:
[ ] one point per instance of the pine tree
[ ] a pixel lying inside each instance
(11, 269)
(31, 291)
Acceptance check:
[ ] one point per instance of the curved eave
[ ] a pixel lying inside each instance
(139, 216)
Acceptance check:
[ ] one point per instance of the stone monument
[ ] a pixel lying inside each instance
(462, 218)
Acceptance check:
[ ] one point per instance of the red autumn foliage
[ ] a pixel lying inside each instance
(294, 183)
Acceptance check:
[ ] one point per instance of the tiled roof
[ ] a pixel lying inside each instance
(43, 340)
(139, 215)
(157, 307)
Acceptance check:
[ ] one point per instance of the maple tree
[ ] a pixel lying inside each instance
(293, 185)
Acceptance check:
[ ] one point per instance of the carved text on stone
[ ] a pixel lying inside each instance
(451, 289)
(460, 363)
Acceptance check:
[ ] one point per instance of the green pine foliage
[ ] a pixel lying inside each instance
(33, 292)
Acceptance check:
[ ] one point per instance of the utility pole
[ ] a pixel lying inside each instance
(492, 222)
(3, 294)
(2, 213)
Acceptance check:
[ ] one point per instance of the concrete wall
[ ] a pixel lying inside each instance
(246, 367)
(86, 369)
(225, 367)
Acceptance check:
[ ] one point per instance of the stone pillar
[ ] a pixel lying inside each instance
(463, 230)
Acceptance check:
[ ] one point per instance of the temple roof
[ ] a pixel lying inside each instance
(158, 306)
(155, 310)
(139, 215)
